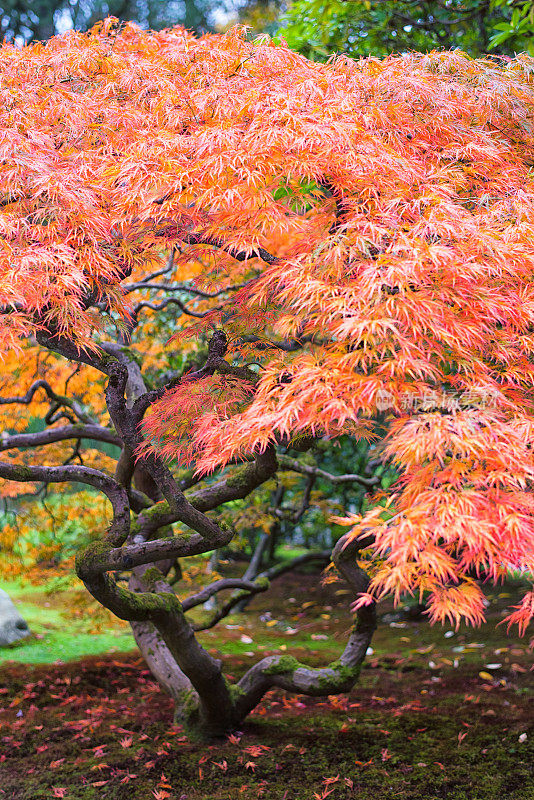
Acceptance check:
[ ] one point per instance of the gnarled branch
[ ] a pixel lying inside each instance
(305, 469)
(287, 673)
(27, 398)
(239, 255)
(220, 586)
(260, 583)
(120, 527)
(97, 433)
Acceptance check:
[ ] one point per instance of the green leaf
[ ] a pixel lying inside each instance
(495, 40)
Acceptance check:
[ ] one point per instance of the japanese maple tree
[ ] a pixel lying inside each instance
(357, 241)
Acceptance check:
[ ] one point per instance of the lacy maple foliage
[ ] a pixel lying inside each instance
(376, 212)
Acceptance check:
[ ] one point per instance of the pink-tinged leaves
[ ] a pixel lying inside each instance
(523, 614)
(403, 274)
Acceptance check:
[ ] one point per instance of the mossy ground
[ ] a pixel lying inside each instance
(422, 724)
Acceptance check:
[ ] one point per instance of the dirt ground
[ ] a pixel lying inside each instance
(437, 714)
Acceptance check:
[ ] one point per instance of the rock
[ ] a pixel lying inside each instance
(12, 626)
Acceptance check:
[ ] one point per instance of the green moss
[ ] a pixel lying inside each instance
(188, 702)
(133, 356)
(152, 576)
(158, 509)
(284, 664)
(154, 516)
(224, 526)
(106, 360)
(142, 606)
(239, 478)
(92, 556)
(340, 677)
(235, 691)
(343, 679)
(187, 711)
(166, 531)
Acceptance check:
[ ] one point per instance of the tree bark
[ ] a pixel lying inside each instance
(204, 698)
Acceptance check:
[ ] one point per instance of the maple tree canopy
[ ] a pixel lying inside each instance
(377, 213)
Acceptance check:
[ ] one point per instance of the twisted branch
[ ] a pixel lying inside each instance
(95, 432)
(120, 527)
(27, 398)
(296, 466)
(339, 676)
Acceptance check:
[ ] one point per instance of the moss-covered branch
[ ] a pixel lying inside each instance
(339, 676)
(211, 707)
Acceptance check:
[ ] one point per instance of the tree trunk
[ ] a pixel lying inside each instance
(254, 568)
(204, 699)
(157, 655)
(213, 563)
(212, 707)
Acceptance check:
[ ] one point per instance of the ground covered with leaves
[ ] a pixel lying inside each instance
(437, 714)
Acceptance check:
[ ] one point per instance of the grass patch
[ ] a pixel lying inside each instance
(55, 634)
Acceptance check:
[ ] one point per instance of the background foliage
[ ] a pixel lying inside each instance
(374, 27)
(312, 27)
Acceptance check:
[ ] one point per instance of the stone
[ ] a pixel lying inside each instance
(12, 626)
